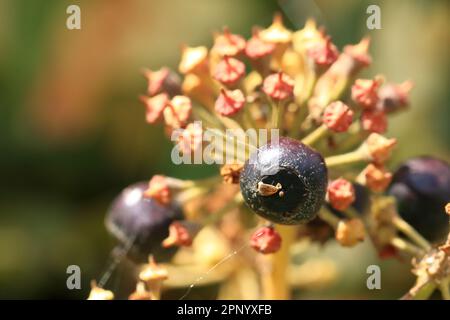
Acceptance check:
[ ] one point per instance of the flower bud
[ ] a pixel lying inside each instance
(178, 111)
(178, 236)
(266, 240)
(278, 86)
(193, 59)
(350, 232)
(365, 92)
(340, 194)
(323, 53)
(337, 116)
(162, 80)
(276, 33)
(374, 121)
(375, 177)
(379, 148)
(359, 53)
(155, 106)
(229, 102)
(257, 48)
(307, 37)
(228, 44)
(229, 71)
(158, 189)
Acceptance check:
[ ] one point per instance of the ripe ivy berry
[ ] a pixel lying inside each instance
(145, 222)
(285, 182)
(422, 188)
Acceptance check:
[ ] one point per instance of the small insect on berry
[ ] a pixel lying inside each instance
(266, 240)
(284, 181)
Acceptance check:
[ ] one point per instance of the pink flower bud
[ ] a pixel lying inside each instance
(374, 121)
(324, 53)
(257, 48)
(340, 194)
(279, 86)
(229, 71)
(365, 92)
(155, 106)
(228, 44)
(337, 116)
(359, 53)
(229, 102)
(178, 111)
(266, 240)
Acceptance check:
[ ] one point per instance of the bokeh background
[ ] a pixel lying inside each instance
(72, 131)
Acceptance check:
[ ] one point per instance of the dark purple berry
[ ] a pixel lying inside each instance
(285, 182)
(132, 217)
(422, 189)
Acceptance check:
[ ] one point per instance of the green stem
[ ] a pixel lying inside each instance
(316, 135)
(346, 158)
(409, 231)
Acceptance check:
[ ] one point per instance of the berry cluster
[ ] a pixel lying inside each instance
(328, 121)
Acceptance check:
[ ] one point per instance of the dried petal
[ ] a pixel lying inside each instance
(158, 189)
(324, 53)
(376, 178)
(178, 236)
(359, 53)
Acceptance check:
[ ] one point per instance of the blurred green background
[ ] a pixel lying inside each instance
(73, 132)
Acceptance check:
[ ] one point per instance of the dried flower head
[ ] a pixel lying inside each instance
(155, 106)
(257, 48)
(229, 102)
(375, 177)
(190, 138)
(379, 148)
(266, 240)
(350, 232)
(228, 44)
(374, 121)
(323, 53)
(341, 194)
(277, 33)
(365, 92)
(337, 116)
(192, 59)
(279, 86)
(178, 111)
(229, 71)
